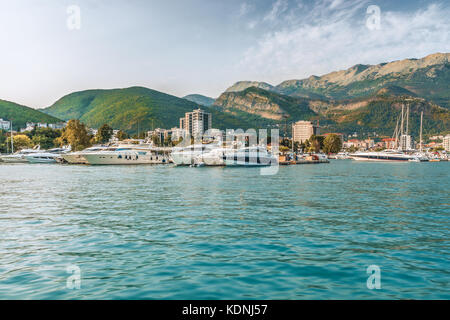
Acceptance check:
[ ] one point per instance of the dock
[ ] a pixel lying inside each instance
(288, 163)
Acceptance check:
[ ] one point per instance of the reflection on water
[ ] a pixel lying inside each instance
(158, 232)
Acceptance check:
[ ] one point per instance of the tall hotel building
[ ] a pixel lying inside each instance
(196, 122)
(303, 130)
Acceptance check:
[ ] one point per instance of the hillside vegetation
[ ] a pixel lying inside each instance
(132, 109)
(20, 115)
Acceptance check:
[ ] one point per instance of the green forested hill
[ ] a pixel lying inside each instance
(130, 108)
(20, 115)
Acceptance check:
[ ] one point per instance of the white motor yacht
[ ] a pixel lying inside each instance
(78, 156)
(342, 156)
(49, 156)
(249, 156)
(126, 157)
(19, 157)
(383, 156)
(214, 157)
(190, 155)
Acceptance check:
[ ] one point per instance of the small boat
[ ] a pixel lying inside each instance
(414, 160)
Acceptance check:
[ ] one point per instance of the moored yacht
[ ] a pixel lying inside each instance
(249, 156)
(19, 157)
(382, 156)
(125, 156)
(48, 156)
(189, 155)
(78, 156)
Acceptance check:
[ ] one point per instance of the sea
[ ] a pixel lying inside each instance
(342, 230)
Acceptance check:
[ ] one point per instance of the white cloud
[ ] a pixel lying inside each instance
(278, 7)
(244, 9)
(333, 37)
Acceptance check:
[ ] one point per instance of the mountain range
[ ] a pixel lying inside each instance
(428, 77)
(363, 98)
(200, 99)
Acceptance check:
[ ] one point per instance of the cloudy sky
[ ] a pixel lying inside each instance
(202, 46)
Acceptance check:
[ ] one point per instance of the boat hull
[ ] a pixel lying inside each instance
(74, 158)
(115, 159)
(12, 159)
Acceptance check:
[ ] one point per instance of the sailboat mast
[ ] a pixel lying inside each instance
(12, 138)
(395, 136)
(407, 120)
(401, 129)
(421, 126)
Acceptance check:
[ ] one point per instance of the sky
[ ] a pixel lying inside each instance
(50, 48)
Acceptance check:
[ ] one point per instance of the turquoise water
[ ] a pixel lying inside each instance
(163, 232)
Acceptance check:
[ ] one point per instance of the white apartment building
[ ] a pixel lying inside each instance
(4, 124)
(196, 122)
(303, 130)
(405, 142)
(446, 143)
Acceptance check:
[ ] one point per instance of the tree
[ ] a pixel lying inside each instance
(352, 149)
(314, 143)
(3, 147)
(45, 137)
(21, 141)
(332, 143)
(286, 142)
(104, 133)
(121, 135)
(75, 134)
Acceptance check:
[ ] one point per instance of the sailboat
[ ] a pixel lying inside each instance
(402, 144)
